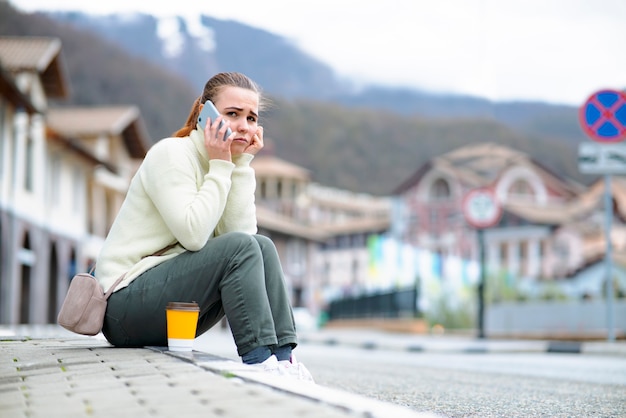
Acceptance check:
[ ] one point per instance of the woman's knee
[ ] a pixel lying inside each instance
(236, 237)
(232, 241)
(265, 243)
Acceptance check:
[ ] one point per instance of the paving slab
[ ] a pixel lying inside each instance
(87, 377)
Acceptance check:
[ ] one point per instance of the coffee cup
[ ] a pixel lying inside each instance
(182, 321)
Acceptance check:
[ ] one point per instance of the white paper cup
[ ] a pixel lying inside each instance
(182, 321)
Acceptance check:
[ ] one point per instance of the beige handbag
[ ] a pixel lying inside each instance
(84, 306)
(83, 309)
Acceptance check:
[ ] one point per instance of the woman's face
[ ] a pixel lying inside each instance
(241, 108)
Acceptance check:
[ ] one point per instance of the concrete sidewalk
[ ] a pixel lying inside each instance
(47, 374)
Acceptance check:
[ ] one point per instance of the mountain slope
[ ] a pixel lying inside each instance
(100, 73)
(360, 146)
(196, 48)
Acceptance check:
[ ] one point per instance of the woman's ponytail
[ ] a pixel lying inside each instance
(191, 122)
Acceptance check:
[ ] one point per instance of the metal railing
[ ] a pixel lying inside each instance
(399, 303)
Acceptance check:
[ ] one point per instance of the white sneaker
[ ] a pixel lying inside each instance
(271, 365)
(296, 370)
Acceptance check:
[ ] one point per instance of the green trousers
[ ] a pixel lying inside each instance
(235, 274)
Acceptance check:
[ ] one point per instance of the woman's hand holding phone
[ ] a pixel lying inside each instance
(216, 142)
(217, 133)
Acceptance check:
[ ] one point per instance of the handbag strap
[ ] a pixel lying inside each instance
(164, 249)
(112, 288)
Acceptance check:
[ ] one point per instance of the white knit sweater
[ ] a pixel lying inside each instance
(177, 195)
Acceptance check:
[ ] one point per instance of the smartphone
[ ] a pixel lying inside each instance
(209, 112)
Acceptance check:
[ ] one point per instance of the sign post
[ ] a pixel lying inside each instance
(481, 210)
(603, 118)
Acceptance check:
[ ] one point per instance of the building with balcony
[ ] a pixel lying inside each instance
(551, 228)
(63, 175)
(320, 232)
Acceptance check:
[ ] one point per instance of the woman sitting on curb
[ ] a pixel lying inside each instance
(196, 191)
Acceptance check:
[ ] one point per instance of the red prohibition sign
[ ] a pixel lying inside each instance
(481, 208)
(603, 116)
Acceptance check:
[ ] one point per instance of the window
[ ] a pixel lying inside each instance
(29, 163)
(440, 190)
(521, 189)
(111, 210)
(26, 258)
(3, 110)
(504, 254)
(562, 249)
(434, 217)
(355, 271)
(359, 240)
(562, 253)
(296, 257)
(294, 189)
(263, 189)
(55, 180)
(53, 275)
(524, 257)
(326, 269)
(78, 191)
(279, 189)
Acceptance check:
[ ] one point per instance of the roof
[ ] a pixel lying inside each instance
(272, 166)
(268, 219)
(85, 122)
(555, 214)
(576, 209)
(36, 54)
(357, 226)
(343, 200)
(74, 145)
(596, 192)
(479, 165)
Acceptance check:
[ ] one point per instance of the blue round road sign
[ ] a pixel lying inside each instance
(603, 116)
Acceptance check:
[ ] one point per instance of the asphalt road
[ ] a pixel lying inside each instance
(467, 385)
(477, 385)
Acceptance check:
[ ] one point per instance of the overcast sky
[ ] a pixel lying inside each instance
(558, 51)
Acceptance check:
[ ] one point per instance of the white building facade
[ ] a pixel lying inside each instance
(52, 211)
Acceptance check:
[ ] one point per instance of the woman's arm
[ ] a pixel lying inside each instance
(240, 211)
(190, 210)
